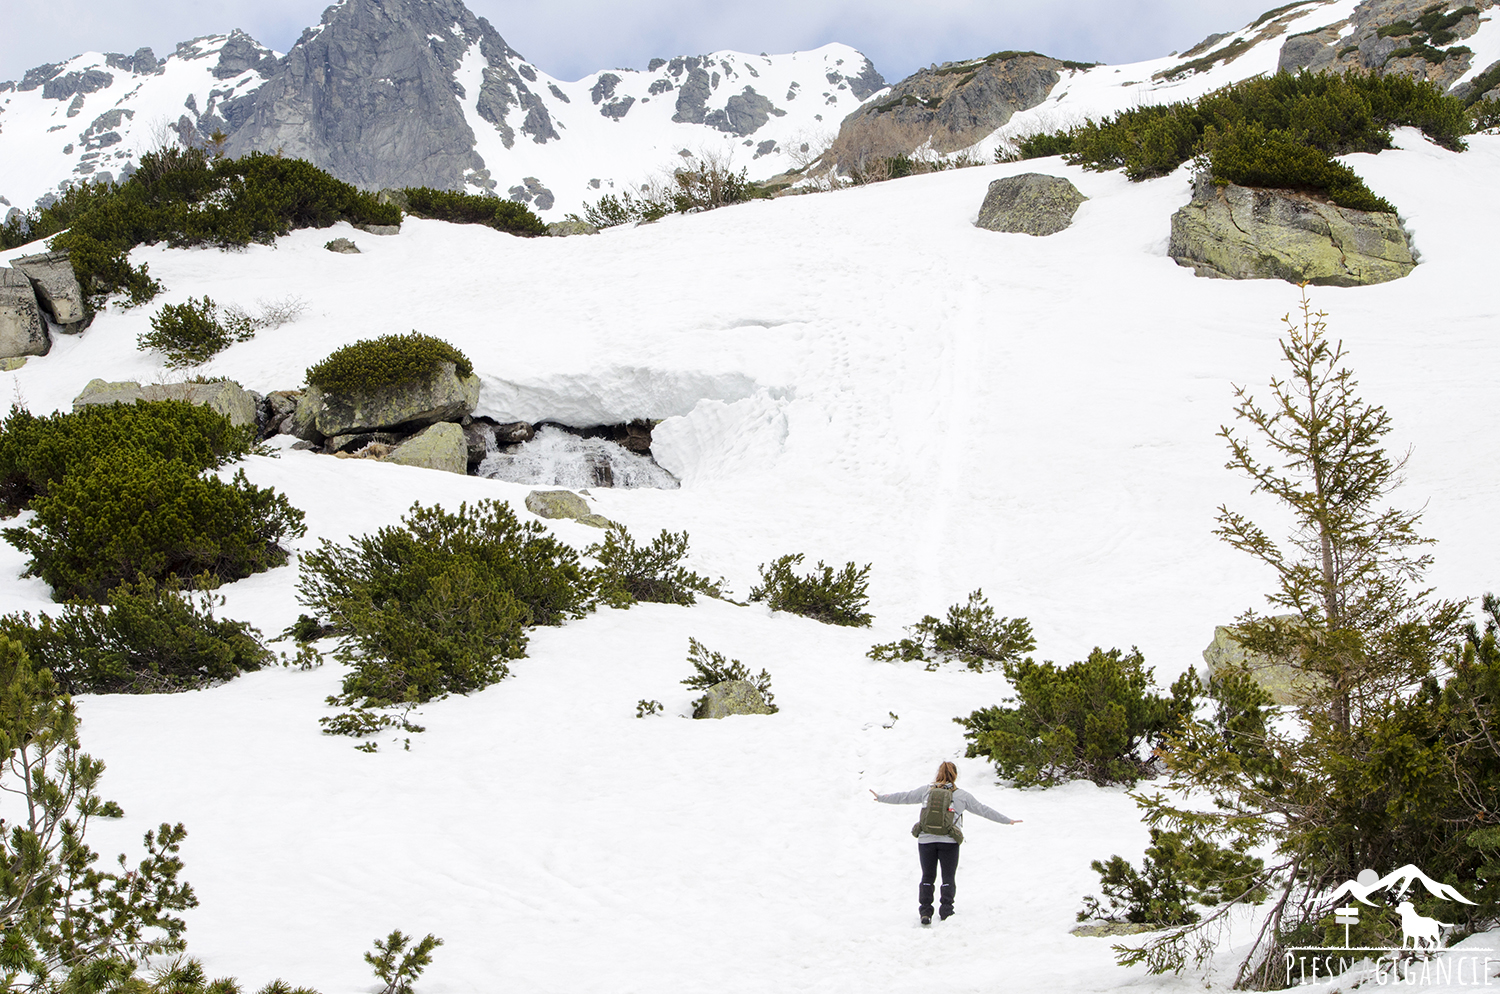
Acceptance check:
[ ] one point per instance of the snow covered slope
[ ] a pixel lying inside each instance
(860, 375)
(89, 118)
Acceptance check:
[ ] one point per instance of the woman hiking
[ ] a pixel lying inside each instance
(939, 833)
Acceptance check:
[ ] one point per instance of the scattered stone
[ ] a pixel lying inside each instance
(732, 697)
(1244, 233)
(11, 364)
(479, 438)
(57, 289)
(225, 396)
(1102, 929)
(562, 229)
(564, 504)
(22, 330)
(440, 446)
(514, 432)
(304, 445)
(383, 230)
(1030, 204)
(343, 246)
(349, 443)
(399, 407)
(1285, 682)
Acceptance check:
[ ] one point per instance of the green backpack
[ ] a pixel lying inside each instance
(937, 815)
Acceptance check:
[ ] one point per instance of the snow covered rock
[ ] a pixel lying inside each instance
(224, 396)
(562, 229)
(22, 331)
(1030, 204)
(445, 396)
(732, 697)
(57, 289)
(440, 446)
(342, 246)
(1242, 233)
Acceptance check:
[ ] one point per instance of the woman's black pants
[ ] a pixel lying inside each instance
(932, 855)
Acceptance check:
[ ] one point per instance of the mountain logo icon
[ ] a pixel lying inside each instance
(1417, 931)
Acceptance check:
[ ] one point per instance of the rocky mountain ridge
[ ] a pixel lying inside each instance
(421, 93)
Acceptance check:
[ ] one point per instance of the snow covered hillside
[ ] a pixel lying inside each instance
(859, 375)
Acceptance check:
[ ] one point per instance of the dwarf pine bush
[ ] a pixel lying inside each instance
(152, 638)
(971, 634)
(628, 573)
(469, 208)
(712, 668)
(1090, 720)
(834, 598)
(439, 604)
(36, 452)
(1177, 872)
(389, 359)
(182, 196)
(190, 334)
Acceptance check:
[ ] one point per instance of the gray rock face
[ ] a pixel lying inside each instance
(241, 53)
(369, 96)
(38, 75)
(1031, 204)
(225, 396)
(439, 446)
(402, 407)
(961, 103)
(1235, 232)
(342, 246)
(692, 95)
(143, 62)
(22, 330)
(732, 697)
(57, 289)
(743, 113)
(531, 191)
(64, 86)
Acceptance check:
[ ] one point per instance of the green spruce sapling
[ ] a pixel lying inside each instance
(398, 966)
(834, 598)
(712, 668)
(971, 634)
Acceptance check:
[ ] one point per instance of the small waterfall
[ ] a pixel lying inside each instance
(556, 458)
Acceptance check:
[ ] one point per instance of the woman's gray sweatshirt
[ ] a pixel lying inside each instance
(962, 801)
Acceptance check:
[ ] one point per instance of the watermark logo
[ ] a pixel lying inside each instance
(1411, 963)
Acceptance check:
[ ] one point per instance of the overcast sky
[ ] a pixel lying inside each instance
(572, 38)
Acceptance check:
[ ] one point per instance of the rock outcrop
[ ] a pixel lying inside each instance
(1243, 233)
(439, 446)
(225, 396)
(1412, 38)
(403, 407)
(732, 697)
(957, 103)
(57, 289)
(22, 330)
(1030, 204)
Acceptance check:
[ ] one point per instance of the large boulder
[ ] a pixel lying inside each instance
(564, 504)
(732, 697)
(1030, 204)
(225, 396)
(22, 330)
(1244, 233)
(1285, 682)
(440, 446)
(57, 289)
(400, 407)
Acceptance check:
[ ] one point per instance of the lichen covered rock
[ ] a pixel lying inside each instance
(22, 330)
(1030, 204)
(440, 446)
(1243, 233)
(1285, 683)
(57, 289)
(225, 396)
(732, 697)
(564, 504)
(409, 406)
